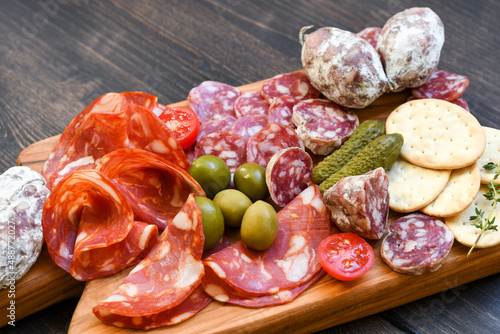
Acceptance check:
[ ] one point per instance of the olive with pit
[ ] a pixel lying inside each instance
(233, 204)
(250, 179)
(212, 220)
(212, 174)
(259, 226)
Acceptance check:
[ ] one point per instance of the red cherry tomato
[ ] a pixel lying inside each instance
(182, 122)
(345, 256)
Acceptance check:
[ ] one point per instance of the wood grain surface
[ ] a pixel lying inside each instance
(56, 56)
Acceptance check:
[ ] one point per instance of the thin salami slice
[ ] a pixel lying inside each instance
(213, 100)
(461, 103)
(155, 187)
(370, 35)
(89, 227)
(250, 103)
(247, 126)
(228, 146)
(294, 84)
(164, 279)
(111, 122)
(288, 174)
(289, 262)
(281, 110)
(222, 124)
(416, 244)
(323, 125)
(360, 204)
(270, 140)
(442, 85)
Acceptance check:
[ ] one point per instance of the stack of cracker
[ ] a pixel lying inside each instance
(439, 171)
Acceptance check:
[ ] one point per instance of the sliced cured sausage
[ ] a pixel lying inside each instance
(370, 35)
(213, 100)
(416, 244)
(270, 140)
(153, 293)
(281, 110)
(247, 126)
(288, 174)
(323, 125)
(22, 195)
(294, 84)
(461, 103)
(228, 146)
(360, 204)
(289, 262)
(442, 85)
(155, 187)
(250, 103)
(221, 124)
(111, 122)
(89, 227)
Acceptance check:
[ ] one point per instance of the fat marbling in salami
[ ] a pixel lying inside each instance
(442, 85)
(294, 84)
(213, 100)
(250, 103)
(228, 146)
(247, 126)
(281, 110)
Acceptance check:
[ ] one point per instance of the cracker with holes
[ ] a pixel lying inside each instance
(490, 154)
(412, 187)
(465, 232)
(460, 191)
(437, 134)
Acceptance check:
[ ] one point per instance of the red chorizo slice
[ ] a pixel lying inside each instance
(89, 227)
(247, 126)
(213, 100)
(289, 262)
(370, 35)
(281, 110)
(442, 85)
(166, 277)
(155, 187)
(294, 84)
(250, 103)
(228, 146)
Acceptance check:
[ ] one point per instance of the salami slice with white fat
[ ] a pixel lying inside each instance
(360, 204)
(270, 140)
(228, 146)
(89, 227)
(461, 103)
(294, 84)
(155, 187)
(442, 85)
(221, 124)
(213, 100)
(323, 125)
(154, 290)
(247, 126)
(288, 174)
(281, 110)
(289, 262)
(416, 244)
(370, 35)
(250, 103)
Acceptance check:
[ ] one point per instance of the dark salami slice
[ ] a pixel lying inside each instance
(289, 262)
(250, 103)
(442, 85)
(270, 140)
(416, 244)
(228, 146)
(164, 279)
(281, 110)
(89, 227)
(294, 84)
(360, 204)
(155, 187)
(288, 174)
(461, 103)
(213, 100)
(370, 35)
(247, 126)
(222, 124)
(323, 125)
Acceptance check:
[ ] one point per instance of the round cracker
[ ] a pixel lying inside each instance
(437, 134)
(491, 154)
(460, 191)
(465, 232)
(412, 187)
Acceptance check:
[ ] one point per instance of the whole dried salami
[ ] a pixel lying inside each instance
(442, 85)
(370, 35)
(247, 126)
(228, 146)
(250, 103)
(213, 100)
(281, 110)
(294, 84)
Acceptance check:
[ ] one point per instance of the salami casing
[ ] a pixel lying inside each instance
(228, 146)
(213, 100)
(370, 35)
(295, 84)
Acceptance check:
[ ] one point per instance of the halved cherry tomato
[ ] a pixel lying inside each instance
(345, 256)
(182, 122)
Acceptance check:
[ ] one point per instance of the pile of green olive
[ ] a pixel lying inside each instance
(243, 207)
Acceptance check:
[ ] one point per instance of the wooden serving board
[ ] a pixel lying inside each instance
(326, 303)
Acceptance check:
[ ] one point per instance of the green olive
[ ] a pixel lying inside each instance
(233, 204)
(212, 174)
(250, 179)
(212, 220)
(259, 226)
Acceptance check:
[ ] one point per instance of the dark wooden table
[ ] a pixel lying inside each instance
(57, 56)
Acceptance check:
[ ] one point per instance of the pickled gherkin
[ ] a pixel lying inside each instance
(360, 137)
(381, 152)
